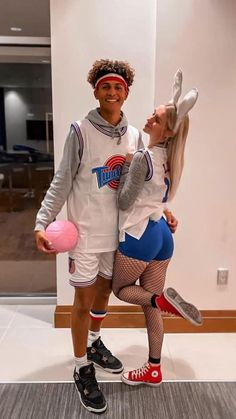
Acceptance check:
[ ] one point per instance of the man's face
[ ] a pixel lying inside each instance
(111, 95)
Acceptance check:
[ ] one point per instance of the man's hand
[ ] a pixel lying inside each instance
(171, 221)
(43, 244)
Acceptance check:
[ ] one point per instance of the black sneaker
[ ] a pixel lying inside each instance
(103, 358)
(89, 391)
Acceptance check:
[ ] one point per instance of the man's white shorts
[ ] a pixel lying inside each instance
(84, 268)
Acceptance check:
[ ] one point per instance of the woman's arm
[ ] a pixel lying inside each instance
(132, 180)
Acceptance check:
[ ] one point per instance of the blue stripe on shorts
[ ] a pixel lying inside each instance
(156, 243)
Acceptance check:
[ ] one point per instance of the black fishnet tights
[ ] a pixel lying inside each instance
(151, 276)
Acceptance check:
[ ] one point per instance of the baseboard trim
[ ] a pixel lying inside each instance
(214, 321)
(27, 300)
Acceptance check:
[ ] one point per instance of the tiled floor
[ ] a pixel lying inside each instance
(31, 349)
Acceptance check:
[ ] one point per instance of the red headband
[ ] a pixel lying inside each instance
(112, 77)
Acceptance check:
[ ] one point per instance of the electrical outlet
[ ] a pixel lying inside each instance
(222, 276)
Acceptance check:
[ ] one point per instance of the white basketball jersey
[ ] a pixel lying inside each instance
(92, 203)
(151, 201)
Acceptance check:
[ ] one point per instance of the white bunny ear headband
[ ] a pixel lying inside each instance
(186, 103)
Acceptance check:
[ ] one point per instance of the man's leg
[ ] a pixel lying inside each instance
(80, 318)
(102, 294)
(96, 350)
(90, 394)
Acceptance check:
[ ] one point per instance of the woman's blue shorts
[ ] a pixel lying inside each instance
(156, 243)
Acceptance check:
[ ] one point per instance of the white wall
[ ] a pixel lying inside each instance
(199, 37)
(81, 32)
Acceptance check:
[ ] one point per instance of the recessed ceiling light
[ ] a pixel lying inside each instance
(45, 61)
(16, 29)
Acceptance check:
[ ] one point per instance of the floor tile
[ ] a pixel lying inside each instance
(31, 349)
(206, 356)
(44, 354)
(29, 316)
(131, 347)
(36, 354)
(2, 332)
(7, 313)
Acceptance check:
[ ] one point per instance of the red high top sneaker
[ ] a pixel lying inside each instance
(148, 374)
(172, 303)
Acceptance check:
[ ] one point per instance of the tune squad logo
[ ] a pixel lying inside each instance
(109, 174)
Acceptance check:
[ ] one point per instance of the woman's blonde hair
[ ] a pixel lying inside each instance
(175, 148)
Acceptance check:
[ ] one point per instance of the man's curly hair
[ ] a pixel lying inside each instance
(102, 67)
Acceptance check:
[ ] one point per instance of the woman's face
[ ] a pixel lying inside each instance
(156, 125)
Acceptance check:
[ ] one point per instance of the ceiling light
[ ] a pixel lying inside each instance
(16, 29)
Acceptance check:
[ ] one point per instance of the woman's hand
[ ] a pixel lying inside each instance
(171, 221)
(42, 243)
(129, 157)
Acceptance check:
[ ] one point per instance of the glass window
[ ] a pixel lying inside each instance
(26, 170)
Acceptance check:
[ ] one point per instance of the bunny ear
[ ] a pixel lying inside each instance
(184, 107)
(177, 87)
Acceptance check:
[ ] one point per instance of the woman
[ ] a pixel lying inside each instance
(146, 243)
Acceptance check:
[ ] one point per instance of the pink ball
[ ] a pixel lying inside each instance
(63, 235)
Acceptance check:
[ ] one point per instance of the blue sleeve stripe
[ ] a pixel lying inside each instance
(80, 138)
(150, 166)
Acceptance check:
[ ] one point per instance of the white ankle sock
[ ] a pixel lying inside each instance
(81, 362)
(92, 336)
